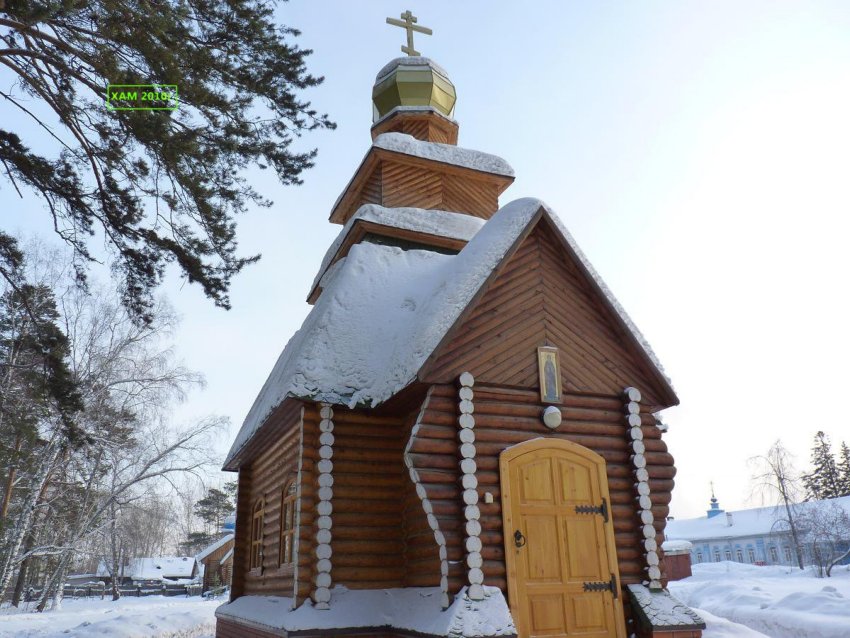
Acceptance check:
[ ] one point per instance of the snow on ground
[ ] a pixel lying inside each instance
(148, 617)
(779, 602)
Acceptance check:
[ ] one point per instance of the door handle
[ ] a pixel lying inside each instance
(519, 539)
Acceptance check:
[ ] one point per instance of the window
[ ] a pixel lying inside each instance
(788, 555)
(699, 557)
(288, 498)
(257, 515)
(739, 555)
(728, 554)
(716, 556)
(751, 555)
(774, 555)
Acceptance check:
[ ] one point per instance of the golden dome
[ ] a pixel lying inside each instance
(412, 82)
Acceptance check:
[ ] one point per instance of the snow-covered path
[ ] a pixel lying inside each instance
(150, 617)
(778, 602)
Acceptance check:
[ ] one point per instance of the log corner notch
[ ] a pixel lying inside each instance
(323, 581)
(631, 408)
(427, 506)
(469, 486)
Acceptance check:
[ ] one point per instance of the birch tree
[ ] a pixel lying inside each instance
(776, 478)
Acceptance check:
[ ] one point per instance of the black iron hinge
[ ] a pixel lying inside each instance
(611, 586)
(594, 509)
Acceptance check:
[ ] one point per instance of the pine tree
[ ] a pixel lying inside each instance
(844, 470)
(824, 481)
(163, 186)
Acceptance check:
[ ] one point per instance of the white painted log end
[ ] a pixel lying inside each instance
(323, 537)
(472, 513)
(326, 452)
(467, 450)
(473, 544)
(324, 508)
(326, 425)
(326, 438)
(473, 528)
(476, 576)
(323, 551)
(466, 421)
(466, 394)
(466, 379)
(326, 480)
(325, 466)
(469, 481)
(322, 595)
(326, 412)
(632, 394)
(468, 466)
(326, 493)
(470, 497)
(323, 579)
(466, 407)
(467, 436)
(475, 592)
(474, 560)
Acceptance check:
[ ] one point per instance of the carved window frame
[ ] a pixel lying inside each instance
(288, 523)
(258, 513)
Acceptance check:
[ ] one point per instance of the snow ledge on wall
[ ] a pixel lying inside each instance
(407, 609)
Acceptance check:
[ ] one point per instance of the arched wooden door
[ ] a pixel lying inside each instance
(559, 541)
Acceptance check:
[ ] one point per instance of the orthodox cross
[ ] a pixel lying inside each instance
(408, 22)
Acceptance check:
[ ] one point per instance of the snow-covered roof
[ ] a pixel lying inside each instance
(221, 542)
(662, 611)
(415, 609)
(154, 568)
(440, 223)
(227, 556)
(445, 153)
(162, 567)
(759, 521)
(383, 312)
(678, 546)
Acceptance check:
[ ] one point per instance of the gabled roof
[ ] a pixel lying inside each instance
(432, 227)
(385, 310)
(403, 147)
(221, 542)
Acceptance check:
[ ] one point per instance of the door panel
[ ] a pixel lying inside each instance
(543, 481)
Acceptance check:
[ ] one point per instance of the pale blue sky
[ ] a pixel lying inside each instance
(698, 151)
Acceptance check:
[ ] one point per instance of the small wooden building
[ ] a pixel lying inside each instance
(216, 569)
(461, 439)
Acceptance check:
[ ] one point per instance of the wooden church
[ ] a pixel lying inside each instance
(461, 438)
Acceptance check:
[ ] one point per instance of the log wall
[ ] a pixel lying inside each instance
(540, 297)
(264, 477)
(505, 417)
(368, 501)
